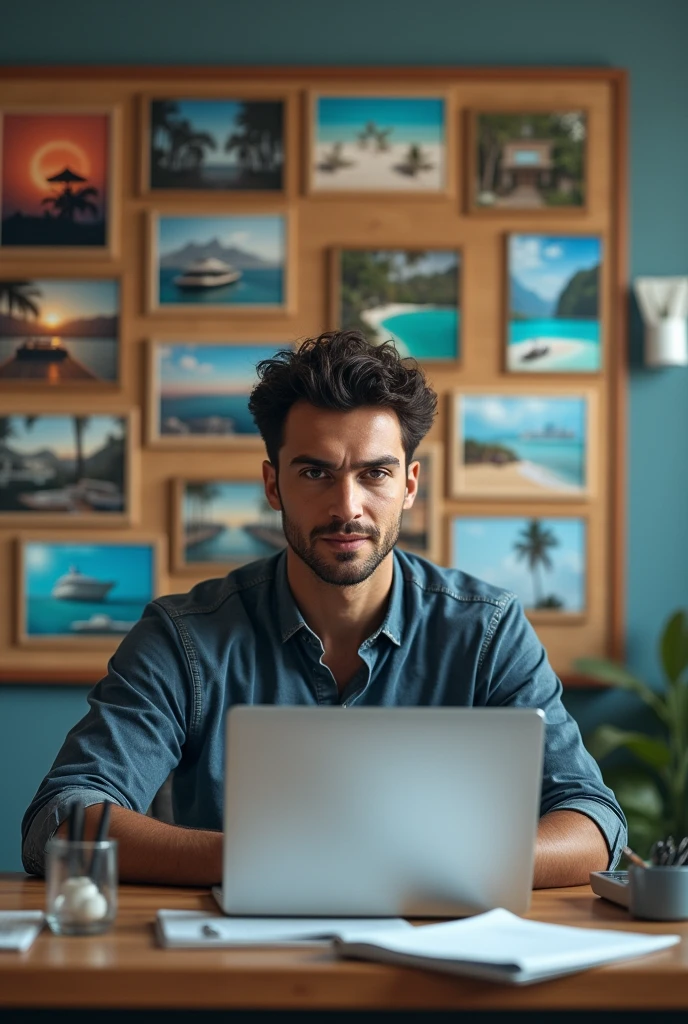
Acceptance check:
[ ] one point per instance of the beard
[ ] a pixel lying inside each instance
(348, 568)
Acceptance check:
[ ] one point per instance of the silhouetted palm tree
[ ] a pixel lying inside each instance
(20, 295)
(80, 423)
(532, 546)
(416, 160)
(258, 141)
(68, 203)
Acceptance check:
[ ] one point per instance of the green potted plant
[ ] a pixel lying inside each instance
(652, 787)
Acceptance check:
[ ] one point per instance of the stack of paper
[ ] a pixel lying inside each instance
(19, 928)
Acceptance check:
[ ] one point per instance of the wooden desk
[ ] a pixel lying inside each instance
(125, 968)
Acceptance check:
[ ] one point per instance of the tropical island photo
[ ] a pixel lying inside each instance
(530, 161)
(216, 144)
(554, 304)
(378, 144)
(542, 561)
(221, 260)
(230, 522)
(54, 179)
(62, 463)
(410, 296)
(56, 332)
(521, 445)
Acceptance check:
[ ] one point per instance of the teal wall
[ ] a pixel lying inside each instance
(647, 38)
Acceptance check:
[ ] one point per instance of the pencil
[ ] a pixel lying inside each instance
(634, 858)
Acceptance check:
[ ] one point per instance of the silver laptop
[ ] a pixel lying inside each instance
(413, 812)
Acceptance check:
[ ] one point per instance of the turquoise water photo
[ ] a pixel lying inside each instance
(264, 287)
(426, 333)
(229, 413)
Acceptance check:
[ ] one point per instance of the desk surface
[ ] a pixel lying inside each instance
(125, 968)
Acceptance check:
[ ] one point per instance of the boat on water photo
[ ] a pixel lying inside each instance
(48, 350)
(207, 273)
(75, 586)
(101, 624)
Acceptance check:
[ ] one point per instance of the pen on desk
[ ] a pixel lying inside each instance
(101, 835)
(634, 858)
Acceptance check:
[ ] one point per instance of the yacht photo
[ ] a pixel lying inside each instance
(75, 586)
(207, 273)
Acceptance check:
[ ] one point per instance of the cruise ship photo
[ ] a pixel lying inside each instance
(207, 273)
(75, 586)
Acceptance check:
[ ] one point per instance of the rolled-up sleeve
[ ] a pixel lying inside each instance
(517, 673)
(129, 740)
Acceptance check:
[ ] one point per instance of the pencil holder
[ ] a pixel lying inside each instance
(658, 893)
(81, 886)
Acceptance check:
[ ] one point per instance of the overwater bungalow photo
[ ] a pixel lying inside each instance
(72, 466)
(221, 261)
(216, 144)
(378, 144)
(56, 333)
(530, 446)
(200, 392)
(410, 296)
(530, 161)
(225, 523)
(554, 304)
(541, 560)
(84, 591)
(55, 179)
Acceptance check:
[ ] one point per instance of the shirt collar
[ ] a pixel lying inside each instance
(290, 620)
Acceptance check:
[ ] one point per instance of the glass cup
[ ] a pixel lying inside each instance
(81, 886)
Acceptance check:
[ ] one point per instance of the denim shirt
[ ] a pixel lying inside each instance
(448, 640)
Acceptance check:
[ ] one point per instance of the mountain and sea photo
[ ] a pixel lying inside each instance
(531, 446)
(410, 296)
(84, 591)
(378, 144)
(216, 144)
(67, 465)
(56, 332)
(541, 560)
(201, 391)
(220, 261)
(554, 304)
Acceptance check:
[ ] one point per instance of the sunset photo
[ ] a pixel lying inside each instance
(54, 179)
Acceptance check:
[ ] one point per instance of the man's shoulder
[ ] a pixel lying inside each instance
(208, 596)
(427, 578)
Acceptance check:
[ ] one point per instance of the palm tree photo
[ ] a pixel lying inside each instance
(532, 546)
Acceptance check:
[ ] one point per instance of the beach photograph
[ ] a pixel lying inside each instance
(410, 296)
(542, 561)
(58, 463)
(419, 524)
(212, 144)
(530, 161)
(227, 523)
(58, 332)
(54, 179)
(224, 260)
(202, 390)
(554, 304)
(82, 591)
(378, 144)
(530, 446)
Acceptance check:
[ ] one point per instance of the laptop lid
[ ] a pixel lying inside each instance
(417, 812)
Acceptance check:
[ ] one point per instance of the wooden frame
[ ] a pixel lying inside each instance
(250, 196)
(447, 189)
(107, 538)
(97, 520)
(335, 301)
(108, 251)
(459, 486)
(433, 452)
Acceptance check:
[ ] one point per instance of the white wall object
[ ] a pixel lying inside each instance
(663, 305)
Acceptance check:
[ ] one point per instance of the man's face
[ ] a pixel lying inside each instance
(341, 489)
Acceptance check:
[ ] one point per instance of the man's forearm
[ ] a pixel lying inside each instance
(569, 846)
(152, 851)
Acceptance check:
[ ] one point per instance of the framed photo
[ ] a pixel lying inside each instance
(57, 333)
(76, 469)
(228, 144)
(222, 524)
(198, 393)
(537, 446)
(542, 560)
(411, 296)
(528, 161)
(420, 524)
(230, 262)
(84, 593)
(378, 143)
(58, 182)
(554, 304)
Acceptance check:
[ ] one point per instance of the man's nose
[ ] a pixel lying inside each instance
(345, 500)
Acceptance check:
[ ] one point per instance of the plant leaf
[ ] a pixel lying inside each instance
(607, 738)
(638, 793)
(673, 646)
(613, 674)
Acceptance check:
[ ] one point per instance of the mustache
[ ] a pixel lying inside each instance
(356, 529)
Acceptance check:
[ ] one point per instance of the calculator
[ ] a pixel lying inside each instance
(611, 885)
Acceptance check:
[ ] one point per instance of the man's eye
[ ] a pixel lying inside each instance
(377, 474)
(313, 474)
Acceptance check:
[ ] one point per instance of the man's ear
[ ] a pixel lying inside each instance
(271, 488)
(412, 476)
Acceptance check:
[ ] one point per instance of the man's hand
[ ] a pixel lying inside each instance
(152, 851)
(569, 846)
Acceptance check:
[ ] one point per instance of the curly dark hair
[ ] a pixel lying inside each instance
(341, 370)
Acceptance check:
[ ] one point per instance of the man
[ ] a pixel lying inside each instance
(340, 617)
